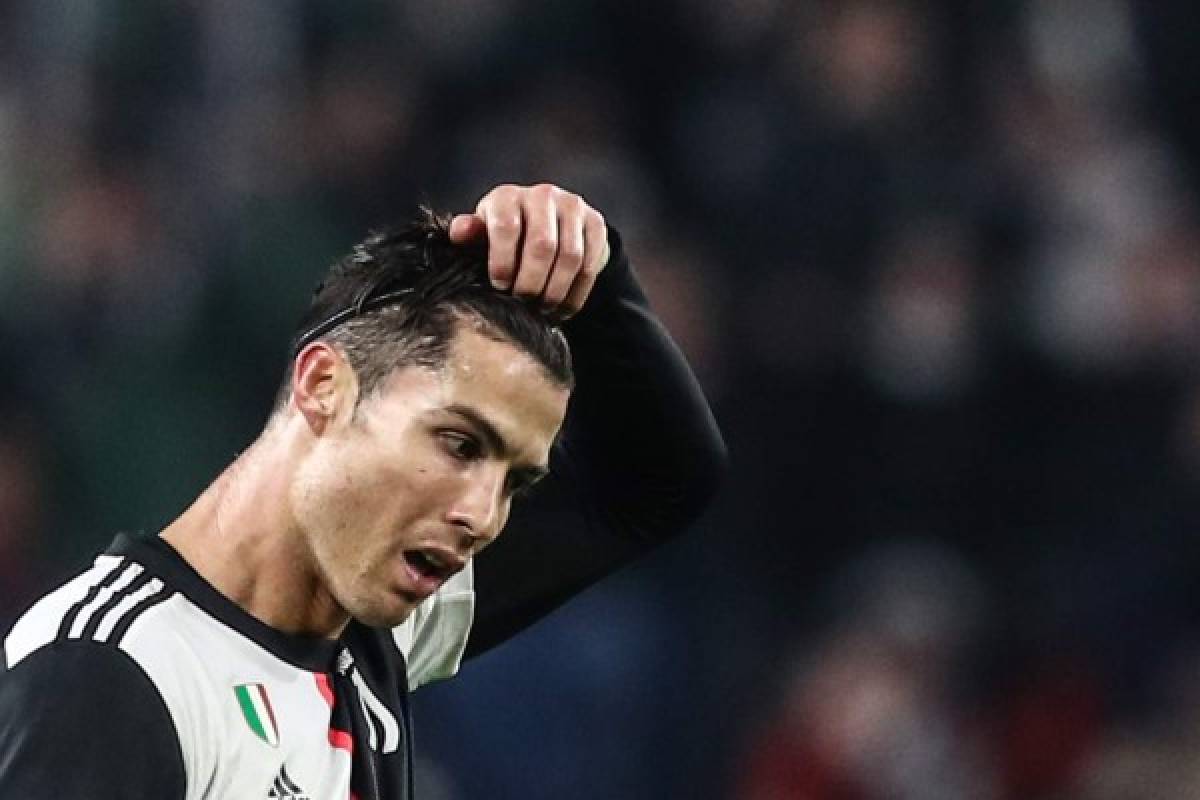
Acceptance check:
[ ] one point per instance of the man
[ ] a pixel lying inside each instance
(263, 646)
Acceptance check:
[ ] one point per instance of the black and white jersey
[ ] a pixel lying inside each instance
(139, 680)
(215, 703)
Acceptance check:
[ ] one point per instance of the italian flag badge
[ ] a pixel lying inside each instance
(256, 708)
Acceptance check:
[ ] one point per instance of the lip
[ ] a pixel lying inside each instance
(453, 561)
(422, 585)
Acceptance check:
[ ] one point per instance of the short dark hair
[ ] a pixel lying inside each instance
(398, 298)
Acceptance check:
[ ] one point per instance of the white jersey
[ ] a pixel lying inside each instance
(227, 706)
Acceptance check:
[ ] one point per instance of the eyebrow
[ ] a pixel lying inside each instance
(495, 440)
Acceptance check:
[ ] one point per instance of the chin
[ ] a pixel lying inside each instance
(384, 615)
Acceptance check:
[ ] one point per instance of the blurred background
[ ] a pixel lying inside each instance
(936, 263)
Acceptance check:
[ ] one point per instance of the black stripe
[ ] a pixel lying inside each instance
(289, 783)
(89, 630)
(161, 596)
(71, 615)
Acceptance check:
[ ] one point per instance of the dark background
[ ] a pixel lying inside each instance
(935, 262)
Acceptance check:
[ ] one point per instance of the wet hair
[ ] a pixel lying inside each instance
(398, 299)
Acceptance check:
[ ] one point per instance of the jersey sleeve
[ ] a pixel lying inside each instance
(639, 459)
(78, 719)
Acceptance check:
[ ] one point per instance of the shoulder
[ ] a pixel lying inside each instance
(89, 620)
(56, 613)
(79, 680)
(118, 607)
(101, 663)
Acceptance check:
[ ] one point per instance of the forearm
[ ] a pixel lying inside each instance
(640, 432)
(640, 458)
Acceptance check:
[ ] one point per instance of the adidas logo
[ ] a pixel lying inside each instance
(285, 788)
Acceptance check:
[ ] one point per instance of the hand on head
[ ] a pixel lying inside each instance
(544, 243)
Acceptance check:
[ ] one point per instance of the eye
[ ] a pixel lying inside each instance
(460, 445)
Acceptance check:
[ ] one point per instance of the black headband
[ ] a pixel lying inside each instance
(364, 304)
(367, 299)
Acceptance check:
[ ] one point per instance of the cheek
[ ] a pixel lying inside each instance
(319, 501)
(334, 489)
(384, 500)
(359, 499)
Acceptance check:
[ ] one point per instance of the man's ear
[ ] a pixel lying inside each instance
(323, 384)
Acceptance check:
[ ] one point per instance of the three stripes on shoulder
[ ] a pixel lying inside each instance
(113, 604)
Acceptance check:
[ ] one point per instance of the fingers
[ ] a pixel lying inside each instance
(595, 258)
(539, 250)
(544, 243)
(503, 216)
(465, 228)
(569, 260)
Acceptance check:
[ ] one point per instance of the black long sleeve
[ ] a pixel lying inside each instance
(639, 459)
(80, 720)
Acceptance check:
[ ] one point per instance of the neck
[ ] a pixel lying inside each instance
(240, 535)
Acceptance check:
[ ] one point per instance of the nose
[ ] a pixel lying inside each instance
(479, 510)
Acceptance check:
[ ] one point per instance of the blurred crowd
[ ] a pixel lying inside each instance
(936, 264)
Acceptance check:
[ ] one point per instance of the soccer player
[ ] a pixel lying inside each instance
(264, 644)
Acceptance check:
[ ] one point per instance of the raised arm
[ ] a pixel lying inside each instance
(639, 459)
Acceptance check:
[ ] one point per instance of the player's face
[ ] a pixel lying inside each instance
(395, 501)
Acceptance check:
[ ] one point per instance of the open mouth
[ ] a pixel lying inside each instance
(431, 564)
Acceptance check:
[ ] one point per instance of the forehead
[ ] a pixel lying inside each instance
(496, 379)
(477, 362)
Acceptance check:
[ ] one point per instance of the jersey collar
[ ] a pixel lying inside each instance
(313, 653)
